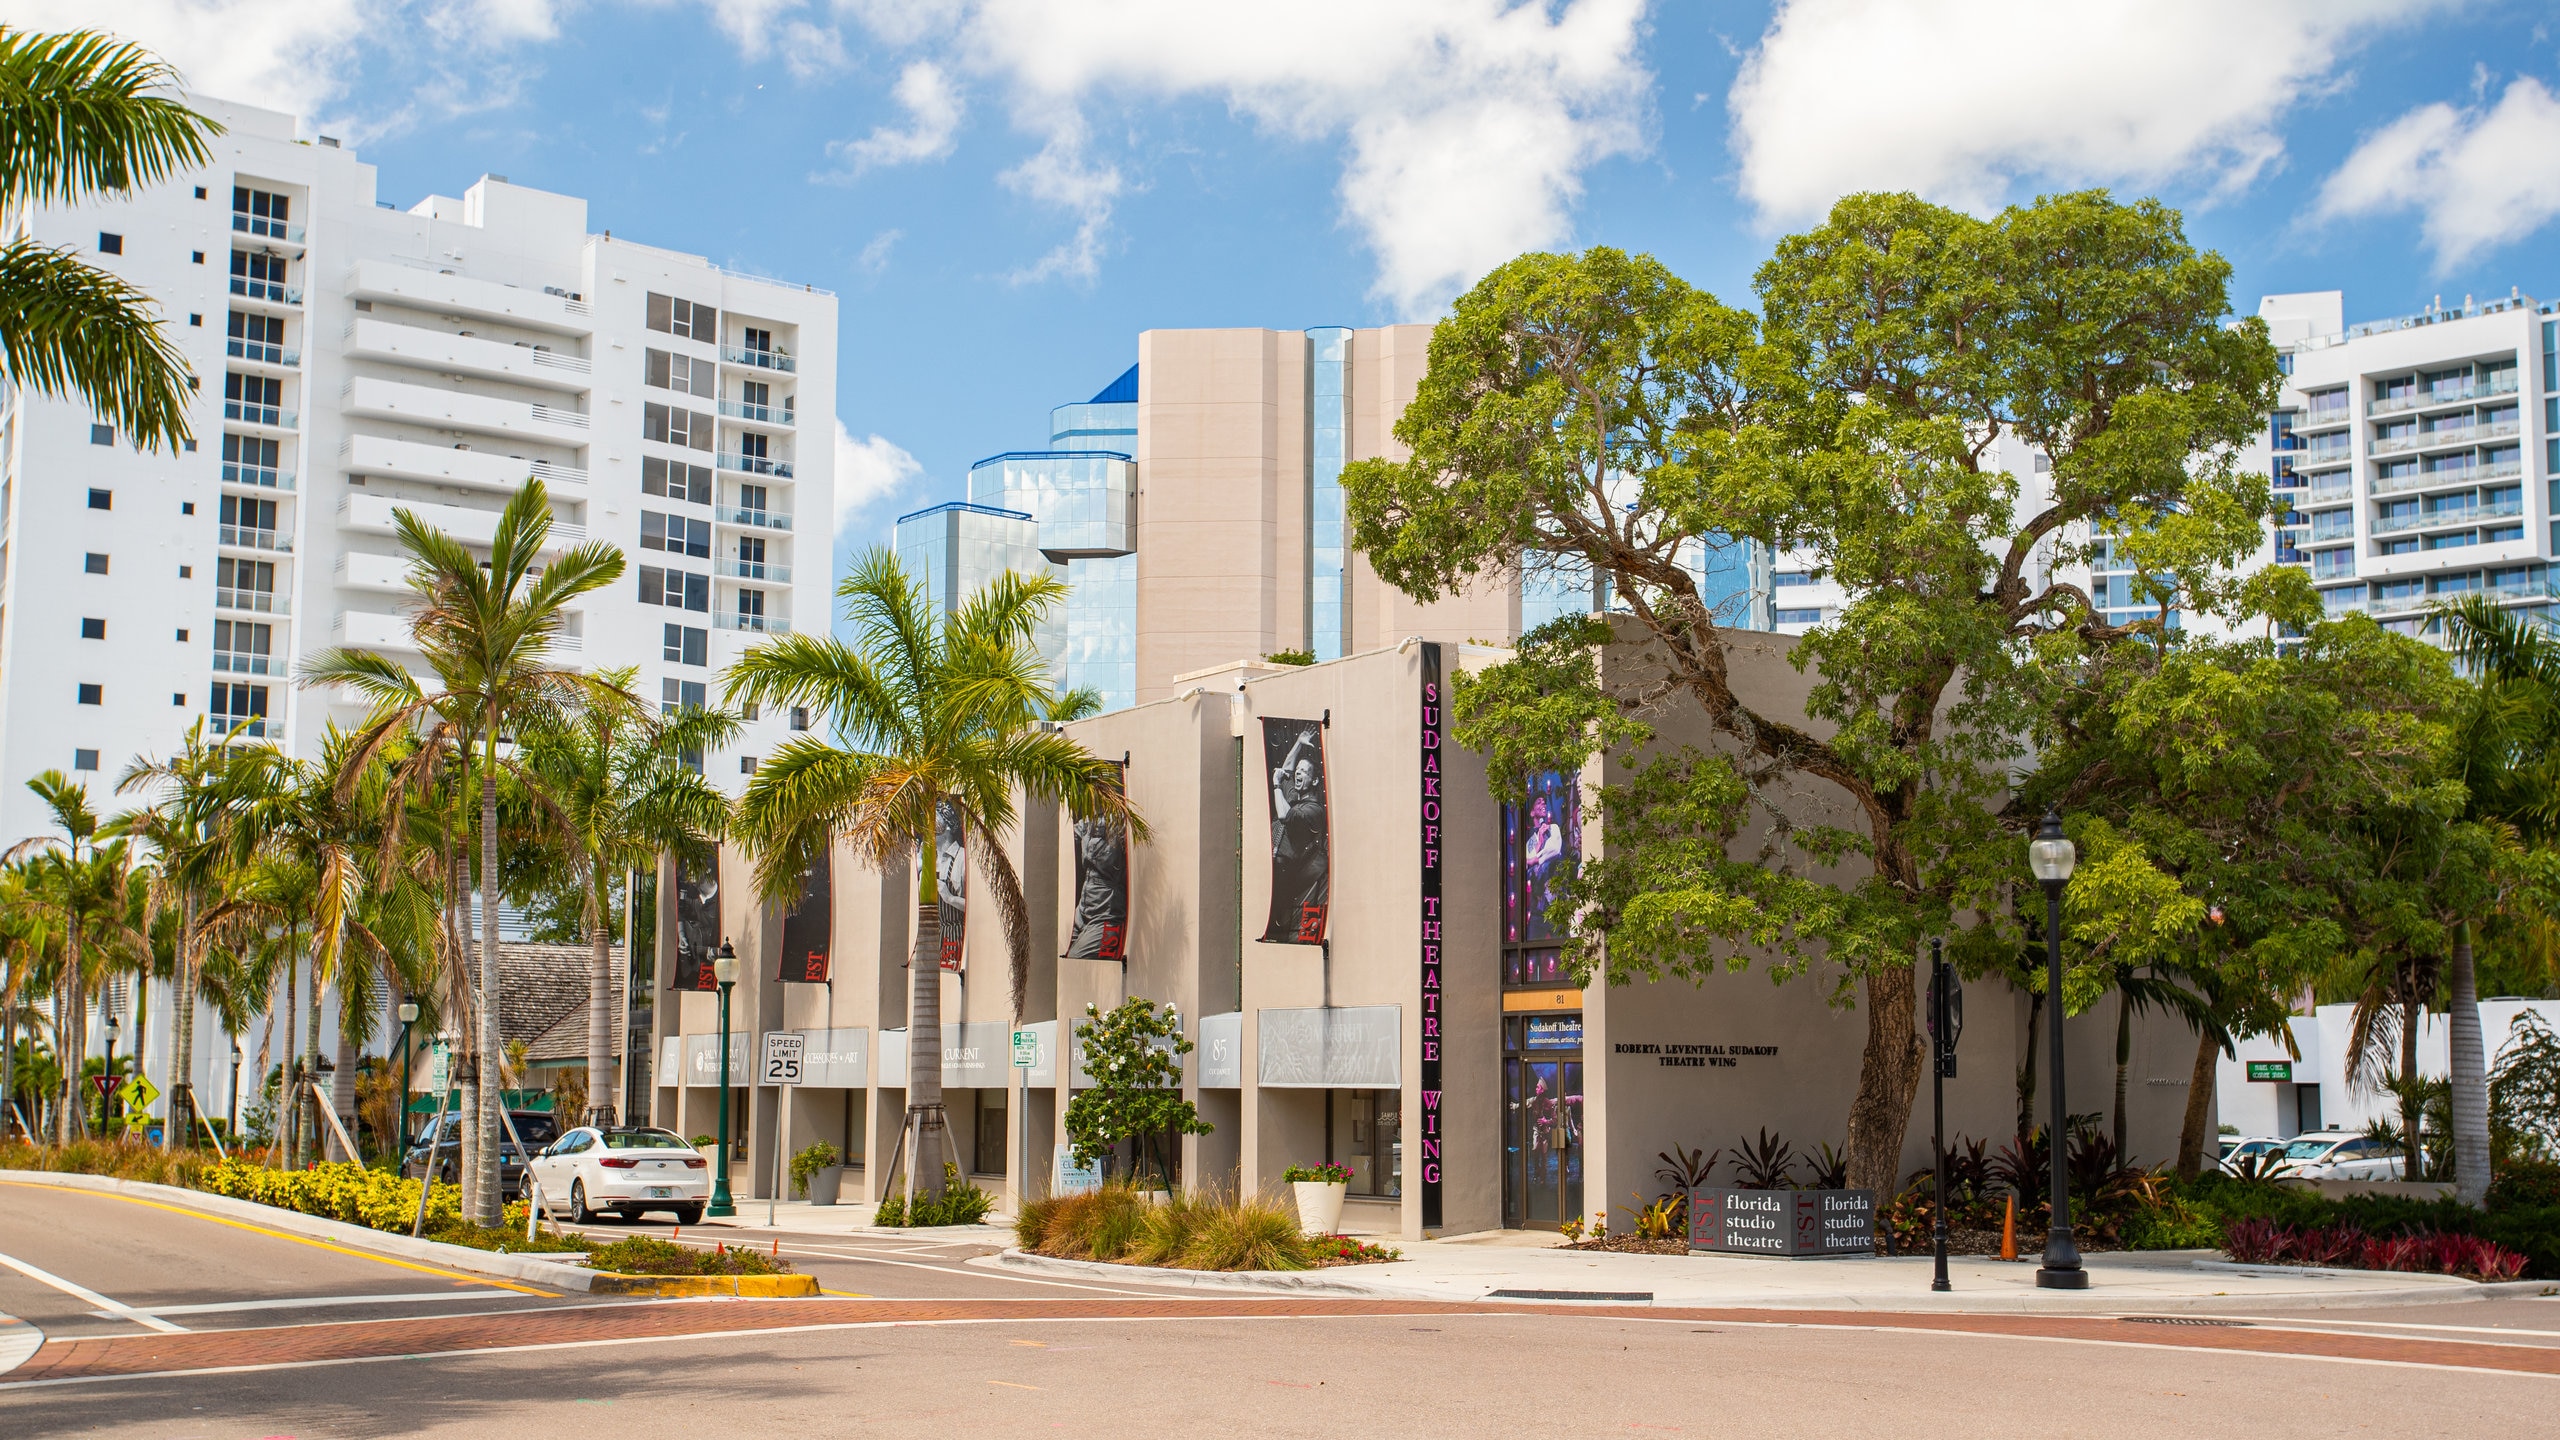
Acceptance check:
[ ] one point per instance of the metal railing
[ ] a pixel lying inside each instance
(276, 291)
(2341, 486)
(250, 537)
(756, 465)
(2446, 479)
(263, 477)
(760, 359)
(260, 353)
(254, 602)
(2450, 438)
(2449, 517)
(552, 414)
(253, 726)
(2504, 383)
(229, 662)
(273, 417)
(554, 360)
(265, 228)
(759, 414)
(762, 519)
(548, 472)
(753, 570)
(755, 624)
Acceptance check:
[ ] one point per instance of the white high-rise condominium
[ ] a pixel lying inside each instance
(353, 360)
(2417, 455)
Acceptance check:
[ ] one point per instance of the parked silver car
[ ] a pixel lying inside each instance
(2341, 1155)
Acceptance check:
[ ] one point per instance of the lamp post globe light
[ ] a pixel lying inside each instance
(408, 1017)
(238, 1056)
(724, 968)
(2052, 856)
(107, 1090)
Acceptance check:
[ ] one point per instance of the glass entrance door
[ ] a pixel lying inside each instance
(1541, 1140)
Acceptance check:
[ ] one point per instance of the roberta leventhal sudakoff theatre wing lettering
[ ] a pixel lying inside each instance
(1102, 893)
(1301, 831)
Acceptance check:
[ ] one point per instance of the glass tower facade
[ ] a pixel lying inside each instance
(1328, 429)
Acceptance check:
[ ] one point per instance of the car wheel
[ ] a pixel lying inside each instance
(689, 1215)
(579, 1214)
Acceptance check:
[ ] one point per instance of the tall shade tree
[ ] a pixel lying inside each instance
(933, 710)
(1598, 411)
(485, 629)
(80, 881)
(615, 776)
(83, 116)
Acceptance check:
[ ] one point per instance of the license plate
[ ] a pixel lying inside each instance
(661, 1192)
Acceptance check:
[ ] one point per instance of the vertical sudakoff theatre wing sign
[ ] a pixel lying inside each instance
(1101, 929)
(1430, 934)
(1301, 832)
(697, 917)
(807, 925)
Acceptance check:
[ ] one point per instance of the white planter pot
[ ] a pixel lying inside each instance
(1320, 1205)
(825, 1185)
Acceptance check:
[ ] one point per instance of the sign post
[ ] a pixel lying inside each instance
(1026, 1054)
(782, 1053)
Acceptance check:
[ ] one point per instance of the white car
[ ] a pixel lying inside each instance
(622, 1171)
(2340, 1155)
(2236, 1149)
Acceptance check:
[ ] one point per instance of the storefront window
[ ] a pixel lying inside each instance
(1541, 846)
(1365, 1130)
(988, 1158)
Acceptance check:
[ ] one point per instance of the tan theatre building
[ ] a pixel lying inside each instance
(1431, 1042)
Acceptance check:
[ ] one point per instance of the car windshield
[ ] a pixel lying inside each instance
(642, 1140)
(2307, 1149)
(533, 1127)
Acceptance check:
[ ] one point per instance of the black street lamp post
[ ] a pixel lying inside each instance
(1946, 1023)
(408, 1017)
(724, 968)
(238, 1056)
(107, 1081)
(2051, 856)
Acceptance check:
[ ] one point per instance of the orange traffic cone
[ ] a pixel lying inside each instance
(2009, 1231)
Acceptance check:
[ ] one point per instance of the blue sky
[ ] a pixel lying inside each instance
(1004, 192)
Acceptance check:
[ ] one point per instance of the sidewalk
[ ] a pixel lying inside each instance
(1525, 1266)
(852, 1218)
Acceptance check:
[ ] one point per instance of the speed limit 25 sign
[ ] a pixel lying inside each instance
(782, 1050)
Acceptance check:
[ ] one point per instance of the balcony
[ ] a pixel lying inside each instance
(269, 291)
(753, 519)
(256, 477)
(377, 515)
(759, 359)
(228, 662)
(444, 464)
(461, 410)
(259, 353)
(253, 727)
(365, 630)
(246, 537)
(776, 415)
(448, 353)
(381, 574)
(2445, 479)
(752, 570)
(754, 624)
(2502, 384)
(756, 465)
(269, 417)
(2339, 486)
(265, 229)
(2450, 438)
(443, 293)
(252, 602)
(2339, 450)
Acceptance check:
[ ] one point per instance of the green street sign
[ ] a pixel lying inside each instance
(1026, 1049)
(2277, 1070)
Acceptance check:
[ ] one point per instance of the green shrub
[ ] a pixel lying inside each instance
(960, 1203)
(1094, 1225)
(1254, 1232)
(2525, 1185)
(810, 1161)
(1194, 1231)
(122, 1159)
(649, 1255)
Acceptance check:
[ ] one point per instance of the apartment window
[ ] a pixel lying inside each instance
(178, 698)
(675, 425)
(94, 563)
(248, 522)
(753, 447)
(683, 318)
(2388, 547)
(84, 759)
(1792, 577)
(248, 460)
(675, 534)
(1796, 617)
(260, 276)
(675, 480)
(198, 256)
(186, 507)
(93, 628)
(799, 717)
(677, 695)
(242, 647)
(751, 607)
(257, 337)
(244, 584)
(235, 704)
(2500, 533)
(688, 645)
(751, 710)
(102, 434)
(182, 635)
(757, 340)
(259, 212)
(675, 589)
(196, 319)
(93, 694)
(186, 572)
(681, 373)
(101, 499)
(255, 399)
(199, 192)
(746, 764)
(751, 497)
(110, 243)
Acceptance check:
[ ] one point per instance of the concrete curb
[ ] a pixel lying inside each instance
(19, 1342)
(753, 1287)
(1296, 1282)
(2472, 1288)
(550, 1273)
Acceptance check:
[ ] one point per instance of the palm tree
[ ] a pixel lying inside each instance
(82, 883)
(81, 116)
(935, 710)
(183, 825)
(2508, 749)
(485, 630)
(615, 777)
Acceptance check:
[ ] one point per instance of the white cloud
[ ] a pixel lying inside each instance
(869, 472)
(1467, 124)
(1964, 99)
(282, 56)
(933, 107)
(875, 256)
(2480, 176)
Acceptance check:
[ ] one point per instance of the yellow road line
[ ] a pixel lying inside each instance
(844, 1294)
(297, 1239)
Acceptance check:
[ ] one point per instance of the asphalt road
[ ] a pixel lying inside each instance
(199, 1328)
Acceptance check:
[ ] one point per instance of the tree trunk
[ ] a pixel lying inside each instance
(2467, 1079)
(600, 1078)
(2124, 1065)
(924, 1034)
(1888, 1080)
(2027, 1069)
(2412, 1109)
(2191, 1134)
(342, 1083)
(287, 1143)
(486, 1207)
(462, 1013)
(315, 1143)
(180, 1126)
(71, 1041)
